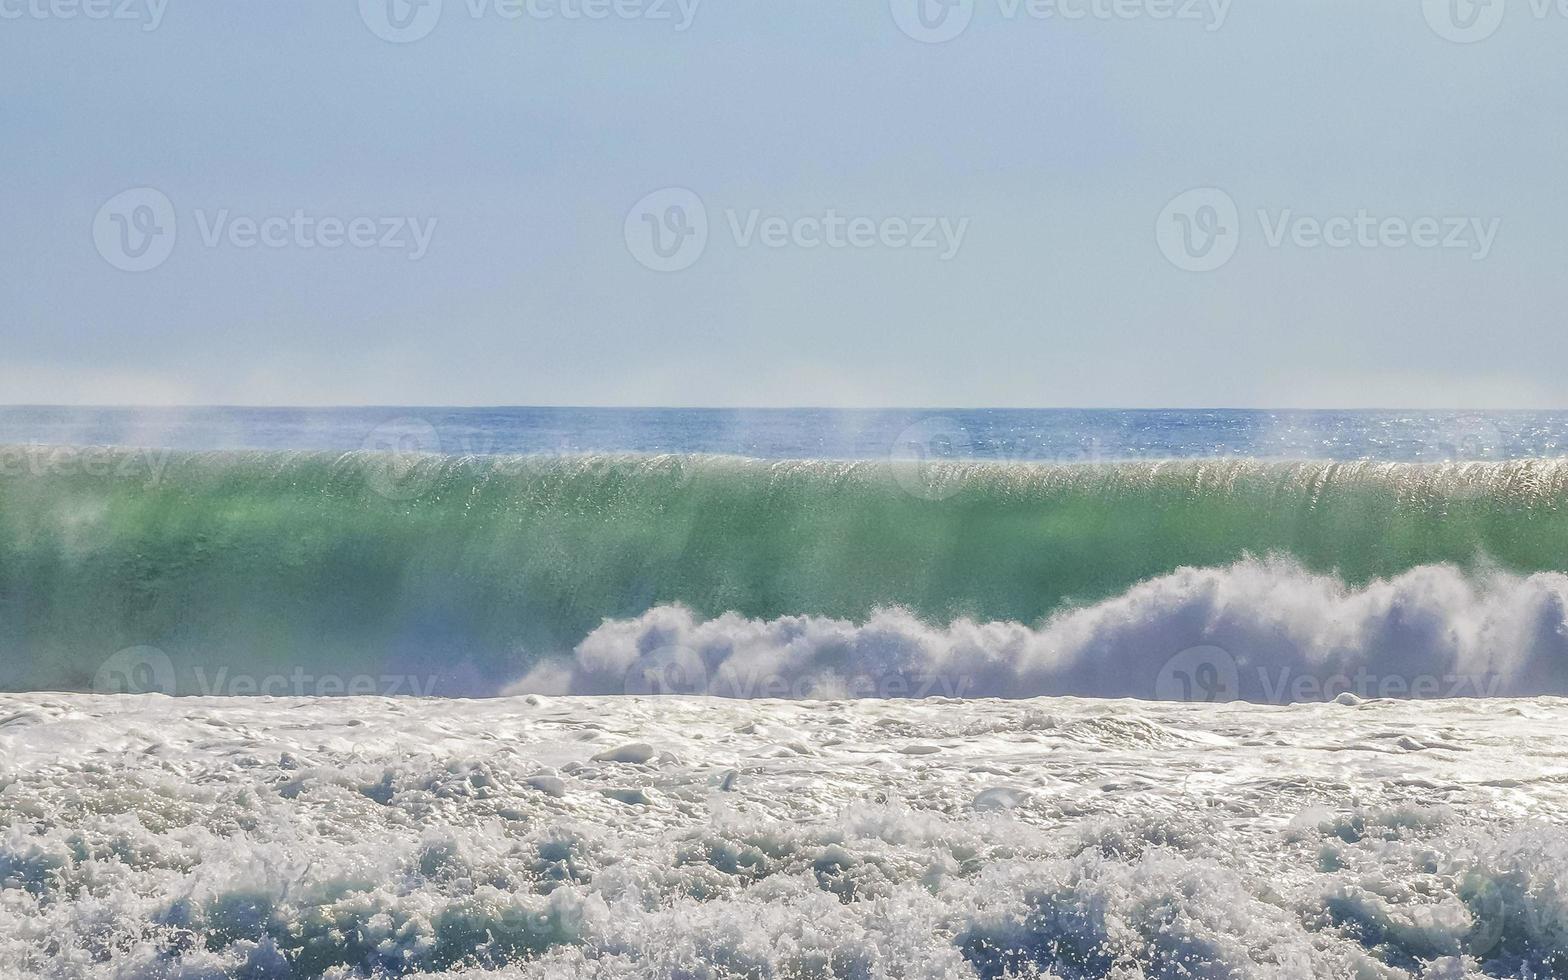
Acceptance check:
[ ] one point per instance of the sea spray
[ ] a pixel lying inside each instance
(475, 569)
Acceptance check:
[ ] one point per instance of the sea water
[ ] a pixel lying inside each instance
(781, 693)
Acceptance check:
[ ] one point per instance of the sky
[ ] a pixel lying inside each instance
(1099, 203)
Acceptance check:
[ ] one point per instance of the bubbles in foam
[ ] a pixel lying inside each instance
(1262, 630)
(624, 837)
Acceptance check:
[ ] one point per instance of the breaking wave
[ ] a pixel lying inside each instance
(475, 571)
(1261, 630)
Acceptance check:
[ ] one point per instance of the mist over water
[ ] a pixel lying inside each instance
(954, 434)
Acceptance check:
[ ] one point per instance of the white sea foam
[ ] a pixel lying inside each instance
(1266, 630)
(688, 837)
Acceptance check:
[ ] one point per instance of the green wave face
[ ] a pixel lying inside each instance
(470, 569)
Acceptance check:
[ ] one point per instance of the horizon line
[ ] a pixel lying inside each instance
(368, 406)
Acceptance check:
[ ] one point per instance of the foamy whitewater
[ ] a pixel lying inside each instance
(693, 694)
(675, 837)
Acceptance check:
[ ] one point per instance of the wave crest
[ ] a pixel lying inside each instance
(1260, 630)
(463, 572)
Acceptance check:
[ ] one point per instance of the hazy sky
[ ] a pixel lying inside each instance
(868, 214)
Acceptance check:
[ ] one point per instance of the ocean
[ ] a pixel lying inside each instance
(782, 693)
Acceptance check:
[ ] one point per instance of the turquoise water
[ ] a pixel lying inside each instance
(470, 568)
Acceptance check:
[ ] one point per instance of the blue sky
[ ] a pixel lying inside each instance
(1003, 202)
